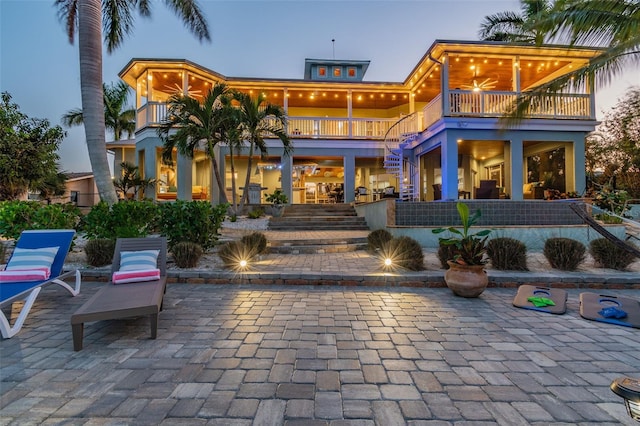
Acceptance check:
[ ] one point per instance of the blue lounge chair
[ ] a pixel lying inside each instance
(28, 291)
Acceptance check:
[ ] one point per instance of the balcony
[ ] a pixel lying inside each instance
(468, 103)
(461, 103)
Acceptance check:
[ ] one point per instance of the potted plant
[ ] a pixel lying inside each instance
(466, 275)
(278, 199)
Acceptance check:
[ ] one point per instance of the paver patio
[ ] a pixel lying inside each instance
(271, 355)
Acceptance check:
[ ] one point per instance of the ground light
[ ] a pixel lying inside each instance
(243, 263)
(629, 389)
(388, 262)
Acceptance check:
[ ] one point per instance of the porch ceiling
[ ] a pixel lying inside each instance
(481, 149)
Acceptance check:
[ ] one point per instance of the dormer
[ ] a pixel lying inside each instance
(334, 70)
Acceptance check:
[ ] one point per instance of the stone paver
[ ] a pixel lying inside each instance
(282, 355)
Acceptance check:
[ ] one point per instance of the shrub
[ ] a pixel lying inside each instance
(99, 251)
(233, 252)
(255, 214)
(608, 255)
(195, 221)
(16, 216)
(256, 241)
(446, 252)
(564, 253)
(405, 252)
(378, 238)
(187, 254)
(124, 219)
(507, 254)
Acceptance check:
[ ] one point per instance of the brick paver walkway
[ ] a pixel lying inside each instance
(240, 355)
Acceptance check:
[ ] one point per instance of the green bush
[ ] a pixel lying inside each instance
(405, 252)
(195, 221)
(446, 252)
(99, 252)
(507, 254)
(17, 216)
(255, 214)
(187, 254)
(255, 241)
(378, 238)
(608, 255)
(564, 253)
(233, 252)
(124, 219)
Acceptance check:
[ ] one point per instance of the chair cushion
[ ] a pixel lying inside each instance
(527, 188)
(122, 277)
(32, 259)
(24, 275)
(139, 260)
(389, 190)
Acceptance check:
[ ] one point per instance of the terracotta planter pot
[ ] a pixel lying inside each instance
(466, 280)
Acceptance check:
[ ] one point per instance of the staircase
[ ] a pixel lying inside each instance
(318, 217)
(318, 228)
(397, 138)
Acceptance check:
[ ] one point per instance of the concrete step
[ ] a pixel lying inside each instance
(319, 217)
(342, 245)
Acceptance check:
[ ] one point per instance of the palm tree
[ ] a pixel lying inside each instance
(86, 16)
(197, 126)
(608, 24)
(131, 182)
(260, 119)
(527, 27)
(117, 116)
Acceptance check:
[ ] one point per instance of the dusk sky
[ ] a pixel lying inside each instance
(40, 69)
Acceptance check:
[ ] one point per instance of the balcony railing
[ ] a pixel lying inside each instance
(464, 103)
(461, 103)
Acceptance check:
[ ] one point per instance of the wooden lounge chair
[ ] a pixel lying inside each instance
(117, 301)
(28, 290)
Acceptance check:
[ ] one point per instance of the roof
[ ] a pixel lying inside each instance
(79, 176)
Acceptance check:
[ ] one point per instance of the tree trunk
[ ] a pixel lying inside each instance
(247, 179)
(233, 181)
(90, 48)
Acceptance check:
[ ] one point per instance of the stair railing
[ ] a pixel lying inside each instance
(396, 138)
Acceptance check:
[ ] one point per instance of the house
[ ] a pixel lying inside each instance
(81, 189)
(436, 134)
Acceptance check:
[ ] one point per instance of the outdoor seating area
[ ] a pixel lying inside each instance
(37, 261)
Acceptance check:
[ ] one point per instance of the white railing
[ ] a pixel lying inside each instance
(461, 103)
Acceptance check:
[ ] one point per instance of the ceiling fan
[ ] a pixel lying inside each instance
(176, 88)
(477, 85)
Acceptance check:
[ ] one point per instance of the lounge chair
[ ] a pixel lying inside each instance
(132, 299)
(18, 289)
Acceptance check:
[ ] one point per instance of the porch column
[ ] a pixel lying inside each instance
(444, 86)
(184, 177)
(286, 170)
(449, 157)
(150, 169)
(577, 165)
(515, 170)
(350, 112)
(349, 164)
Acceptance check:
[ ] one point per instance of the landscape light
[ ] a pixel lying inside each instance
(388, 261)
(629, 389)
(243, 263)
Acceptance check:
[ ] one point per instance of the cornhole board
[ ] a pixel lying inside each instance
(526, 291)
(592, 303)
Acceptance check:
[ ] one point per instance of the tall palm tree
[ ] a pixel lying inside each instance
(197, 126)
(608, 24)
(259, 119)
(117, 116)
(86, 16)
(526, 27)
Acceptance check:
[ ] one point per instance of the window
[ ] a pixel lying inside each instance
(322, 71)
(337, 72)
(351, 72)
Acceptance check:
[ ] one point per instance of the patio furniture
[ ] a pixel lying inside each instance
(131, 299)
(362, 193)
(20, 281)
(488, 189)
(437, 191)
(390, 192)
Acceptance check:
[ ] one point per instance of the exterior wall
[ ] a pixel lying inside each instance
(87, 192)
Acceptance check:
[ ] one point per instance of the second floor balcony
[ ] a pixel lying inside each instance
(457, 103)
